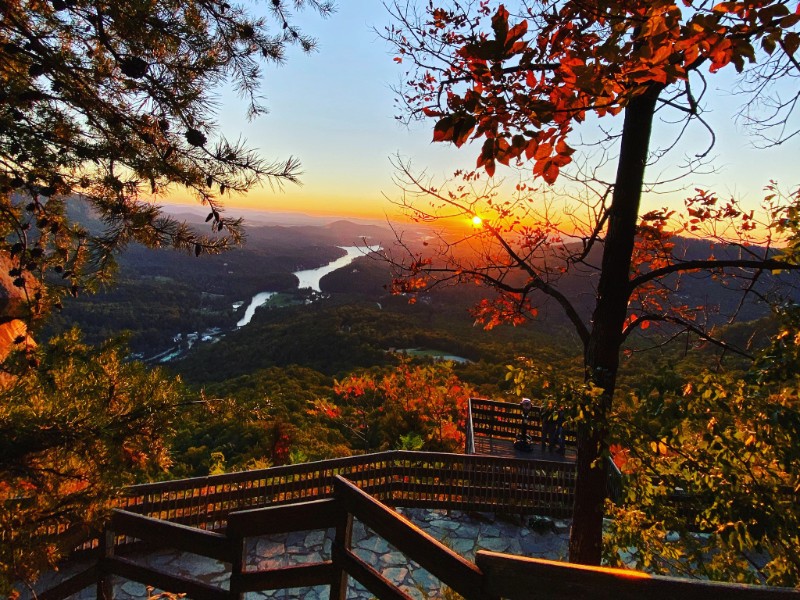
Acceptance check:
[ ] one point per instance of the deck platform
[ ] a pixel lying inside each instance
(504, 447)
(493, 426)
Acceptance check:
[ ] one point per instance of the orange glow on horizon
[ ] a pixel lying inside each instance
(297, 201)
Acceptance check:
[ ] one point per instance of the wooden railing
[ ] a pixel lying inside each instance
(503, 420)
(518, 578)
(493, 576)
(398, 478)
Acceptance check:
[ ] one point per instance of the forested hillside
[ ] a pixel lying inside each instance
(259, 391)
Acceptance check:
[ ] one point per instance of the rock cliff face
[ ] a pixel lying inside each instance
(13, 302)
(11, 331)
(13, 309)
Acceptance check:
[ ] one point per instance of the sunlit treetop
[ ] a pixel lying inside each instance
(114, 101)
(520, 77)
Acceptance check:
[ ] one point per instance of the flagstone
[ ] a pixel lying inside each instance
(495, 544)
(307, 558)
(314, 538)
(376, 544)
(463, 546)
(463, 532)
(396, 574)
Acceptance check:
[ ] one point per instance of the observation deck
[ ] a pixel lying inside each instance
(493, 427)
(221, 518)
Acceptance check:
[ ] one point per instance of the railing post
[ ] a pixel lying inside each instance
(341, 543)
(469, 439)
(105, 583)
(238, 562)
(614, 481)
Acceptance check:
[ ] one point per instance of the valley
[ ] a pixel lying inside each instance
(268, 335)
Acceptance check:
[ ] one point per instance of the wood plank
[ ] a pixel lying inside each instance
(72, 585)
(105, 586)
(315, 514)
(515, 578)
(287, 577)
(367, 576)
(342, 539)
(504, 493)
(162, 580)
(504, 448)
(557, 512)
(452, 569)
(238, 562)
(173, 535)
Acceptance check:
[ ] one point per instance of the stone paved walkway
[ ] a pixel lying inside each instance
(465, 533)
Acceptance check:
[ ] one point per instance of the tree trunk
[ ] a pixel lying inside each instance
(601, 356)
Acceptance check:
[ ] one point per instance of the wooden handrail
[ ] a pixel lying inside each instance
(433, 556)
(330, 464)
(495, 575)
(515, 577)
(317, 514)
(180, 537)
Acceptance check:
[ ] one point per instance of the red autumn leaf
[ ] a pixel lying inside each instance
(454, 128)
(543, 151)
(563, 148)
(550, 172)
(443, 130)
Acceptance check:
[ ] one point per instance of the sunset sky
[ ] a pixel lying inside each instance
(334, 110)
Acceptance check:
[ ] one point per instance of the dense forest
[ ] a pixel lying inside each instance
(257, 388)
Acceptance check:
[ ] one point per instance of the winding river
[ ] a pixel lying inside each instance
(309, 278)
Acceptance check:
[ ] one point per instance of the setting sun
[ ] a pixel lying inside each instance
(477, 221)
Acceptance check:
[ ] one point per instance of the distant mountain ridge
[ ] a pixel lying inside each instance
(210, 285)
(255, 217)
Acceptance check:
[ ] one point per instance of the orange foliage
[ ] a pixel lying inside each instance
(428, 400)
(522, 90)
(509, 308)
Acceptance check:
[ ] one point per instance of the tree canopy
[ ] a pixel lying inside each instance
(105, 107)
(712, 471)
(114, 103)
(521, 85)
(72, 431)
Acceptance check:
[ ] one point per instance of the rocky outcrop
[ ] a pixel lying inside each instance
(14, 309)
